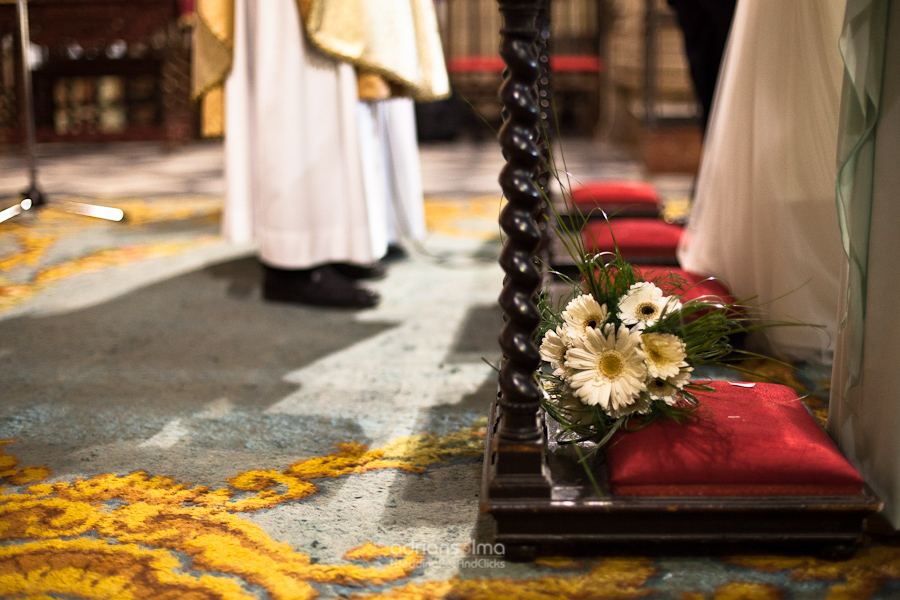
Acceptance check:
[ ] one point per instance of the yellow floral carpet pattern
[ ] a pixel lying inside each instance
(140, 536)
(128, 536)
(464, 217)
(29, 257)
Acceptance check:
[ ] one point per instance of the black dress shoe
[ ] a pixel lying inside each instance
(319, 286)
(395, 252)
(357, 271)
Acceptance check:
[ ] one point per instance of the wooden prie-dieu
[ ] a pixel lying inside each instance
(535, 490)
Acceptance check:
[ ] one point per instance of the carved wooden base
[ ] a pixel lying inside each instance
(574, 519)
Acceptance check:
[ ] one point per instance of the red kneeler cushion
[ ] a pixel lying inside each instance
(693, 287)
(758, 441)
(696, 286)
(577, 63)
(618, 197)
(638, 239)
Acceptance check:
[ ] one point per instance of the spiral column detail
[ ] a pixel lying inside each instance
(520, 395)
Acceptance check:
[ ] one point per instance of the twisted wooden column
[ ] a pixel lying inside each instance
(519, 461)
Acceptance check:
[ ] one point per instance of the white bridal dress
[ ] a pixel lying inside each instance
(764, 218)
(864, 413)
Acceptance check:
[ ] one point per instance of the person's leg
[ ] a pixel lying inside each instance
(323, 285)
(705, 25)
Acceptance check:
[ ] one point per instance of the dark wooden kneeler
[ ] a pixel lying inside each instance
(616, 198)
(752, 468)
(616, 214)
(639, 240)
(538, 494)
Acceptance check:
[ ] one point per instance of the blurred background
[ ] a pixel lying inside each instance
(119, 71)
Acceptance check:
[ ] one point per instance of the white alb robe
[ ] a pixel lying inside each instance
(292, 157)
(393, 171)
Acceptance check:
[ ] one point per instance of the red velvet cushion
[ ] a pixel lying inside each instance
(758, 441)
(583, 63)
(637, 238)
(697, 286)
(576, 63)
(628, 198)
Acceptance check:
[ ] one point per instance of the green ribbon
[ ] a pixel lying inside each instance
(862, 44)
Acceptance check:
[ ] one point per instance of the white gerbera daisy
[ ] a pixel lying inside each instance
(641, 406)
(682, 379)
(608, 367)
(583, 313)
(667, 389)
(665, 354)
(553, 349)
(644, 304)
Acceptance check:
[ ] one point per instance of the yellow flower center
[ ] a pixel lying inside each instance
(646, 310)
(654, 354)
(593, 321)
(611, 364)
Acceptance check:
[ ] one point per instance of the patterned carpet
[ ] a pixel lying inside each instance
(39, 249)
(166, 434)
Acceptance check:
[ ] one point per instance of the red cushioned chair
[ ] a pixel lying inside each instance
(741, 441)
(617, 198)
(649, 241)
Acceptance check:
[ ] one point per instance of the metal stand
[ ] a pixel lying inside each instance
(33, 198)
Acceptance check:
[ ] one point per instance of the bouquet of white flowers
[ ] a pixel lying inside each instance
(621, 352)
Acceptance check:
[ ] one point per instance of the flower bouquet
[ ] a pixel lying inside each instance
(620, 351)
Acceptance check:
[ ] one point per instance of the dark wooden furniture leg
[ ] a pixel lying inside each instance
(518, 462)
